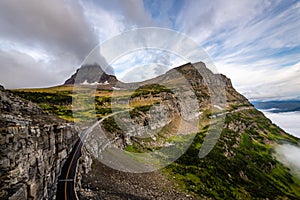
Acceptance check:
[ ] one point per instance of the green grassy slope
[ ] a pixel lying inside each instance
(241, 165)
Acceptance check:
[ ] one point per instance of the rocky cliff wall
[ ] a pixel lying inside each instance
(33, 147)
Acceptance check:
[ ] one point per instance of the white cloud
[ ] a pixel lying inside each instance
(144, 64)
(288, 121)
(55, 26)
(290, 156)
(249, 41)
(263, 82)
(110, 18)
(143, 72)
(203, 19)
(42, 42)
(13, 71)
(105, 23)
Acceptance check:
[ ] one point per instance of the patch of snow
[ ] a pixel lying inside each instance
(95, 83)
(105, 83)
(85, 83)
(115, 88)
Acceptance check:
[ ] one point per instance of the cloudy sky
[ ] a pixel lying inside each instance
(254, 42)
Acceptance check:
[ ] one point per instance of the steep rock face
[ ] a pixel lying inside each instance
(34, 145)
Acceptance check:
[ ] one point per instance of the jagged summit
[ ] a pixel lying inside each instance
(91, 74)
(199, 68)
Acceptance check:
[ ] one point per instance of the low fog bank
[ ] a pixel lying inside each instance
(290, 156)
(288, 121)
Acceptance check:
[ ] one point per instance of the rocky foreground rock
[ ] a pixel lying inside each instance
(33, 147)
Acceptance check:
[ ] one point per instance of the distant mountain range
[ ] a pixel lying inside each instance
(278, 106)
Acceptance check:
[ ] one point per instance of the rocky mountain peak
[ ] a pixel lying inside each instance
(204, 72)
(91, 74)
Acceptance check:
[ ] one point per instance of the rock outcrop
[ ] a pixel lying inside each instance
(34, 146)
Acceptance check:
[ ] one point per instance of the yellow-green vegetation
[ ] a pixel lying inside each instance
(58, 100)
(153, 89)
(133, 149)
(58, 103)
(55, 89)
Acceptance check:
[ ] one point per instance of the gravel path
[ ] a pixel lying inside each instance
(106, 183)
